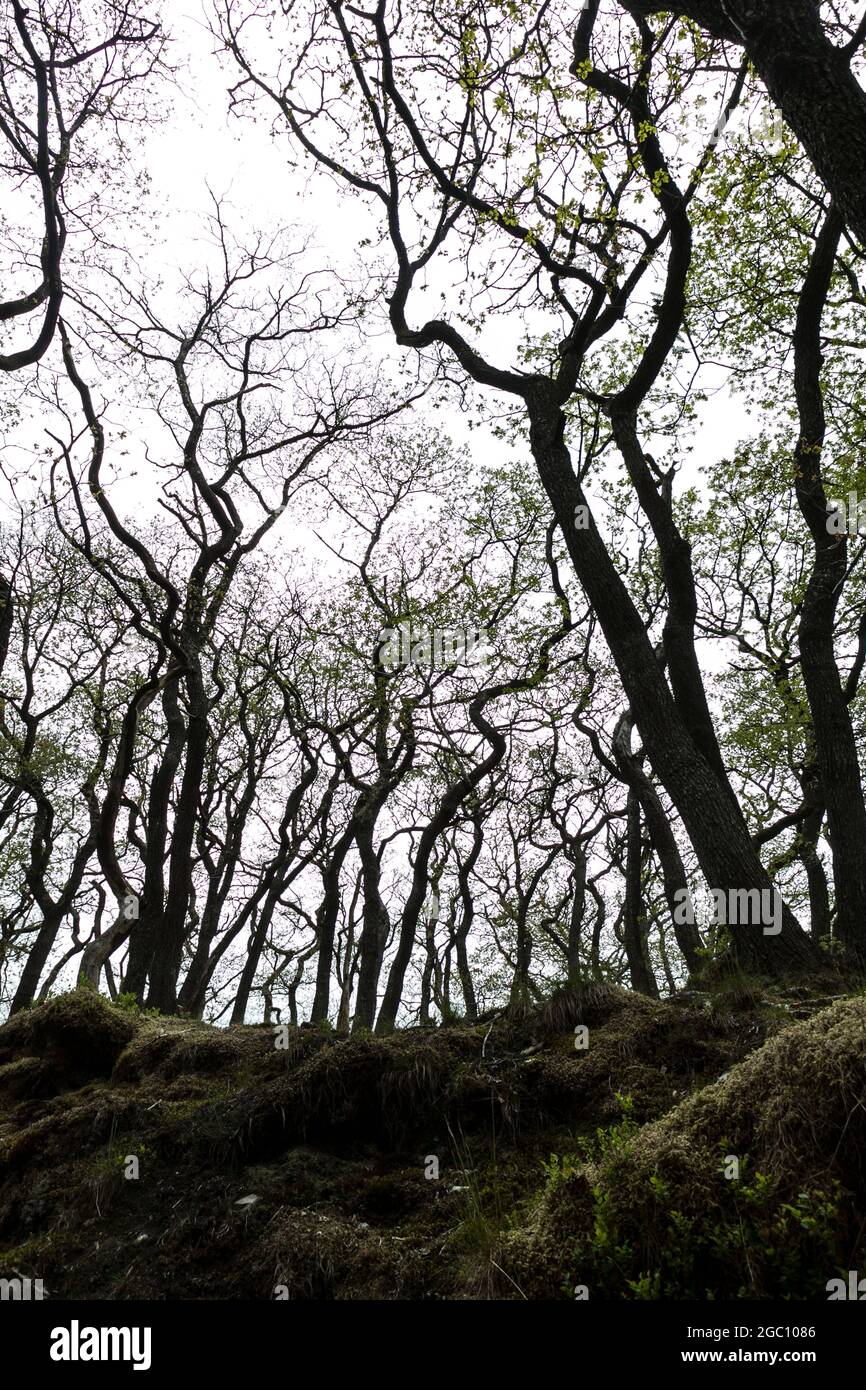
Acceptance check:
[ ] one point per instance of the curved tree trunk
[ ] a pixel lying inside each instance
(716, 828)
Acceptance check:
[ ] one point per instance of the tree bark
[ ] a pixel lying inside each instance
(643, 981)
(716, 828)
(808, 78)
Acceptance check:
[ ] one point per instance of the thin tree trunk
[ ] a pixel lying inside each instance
(643, 981)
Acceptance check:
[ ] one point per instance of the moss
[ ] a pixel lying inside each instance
(659, 1212)
(20, 1256)
(77, 1036)
(26, 1076)
(331, 1135)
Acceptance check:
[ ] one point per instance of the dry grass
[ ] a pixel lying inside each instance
(332, 1135)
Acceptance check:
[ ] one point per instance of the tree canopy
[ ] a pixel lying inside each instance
(451, 585)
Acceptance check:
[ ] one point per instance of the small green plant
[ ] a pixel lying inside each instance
(558, 1168)
(647, 1286)
(739, 1239)
(613, 1139)
(593, 1149)
(128, 1003)
(832, 946)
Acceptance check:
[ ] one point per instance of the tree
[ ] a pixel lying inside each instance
(797, 53)
(70, 81)
(487, 166)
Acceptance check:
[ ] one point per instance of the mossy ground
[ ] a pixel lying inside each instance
(334, 1138)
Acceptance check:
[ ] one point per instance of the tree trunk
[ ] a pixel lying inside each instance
(835, 743)
(807, 77)
(716, 828)
(643, 981)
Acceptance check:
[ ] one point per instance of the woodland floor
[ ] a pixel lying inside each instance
(560, 1170)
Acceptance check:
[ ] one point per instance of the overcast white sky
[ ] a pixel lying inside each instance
(199, 152)
(201, 148)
